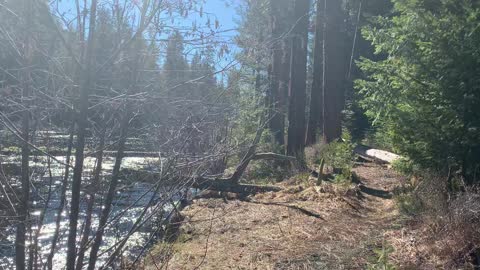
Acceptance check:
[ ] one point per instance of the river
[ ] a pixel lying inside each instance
(131, 197)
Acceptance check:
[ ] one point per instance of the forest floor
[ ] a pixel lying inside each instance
(304, 226)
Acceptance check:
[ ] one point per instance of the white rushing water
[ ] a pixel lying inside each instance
(136, 195)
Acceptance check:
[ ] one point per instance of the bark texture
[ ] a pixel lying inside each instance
(82, 122)
(298, 78)
(63, 193)
(23, 208)
(277, 93)
(111, 191)
(334, 67)
(315, 120)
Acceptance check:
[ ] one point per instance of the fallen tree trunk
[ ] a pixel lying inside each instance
(273, 156)
(375, 155)
(223, 184)
(248, 156)
(226, 185)
(231, 184)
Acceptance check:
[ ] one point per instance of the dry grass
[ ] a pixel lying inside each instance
(444, 236)
(302, 227)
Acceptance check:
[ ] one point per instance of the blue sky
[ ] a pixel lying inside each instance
(222, 10)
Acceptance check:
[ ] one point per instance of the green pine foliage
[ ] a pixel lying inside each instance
(425, 94)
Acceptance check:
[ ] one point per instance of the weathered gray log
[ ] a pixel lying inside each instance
(375, 155)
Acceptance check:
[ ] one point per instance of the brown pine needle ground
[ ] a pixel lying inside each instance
(302, 227)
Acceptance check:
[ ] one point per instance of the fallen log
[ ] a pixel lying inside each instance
(375, 155)
(231, 184)
(207, 182)
(226, 185)
(273, 156)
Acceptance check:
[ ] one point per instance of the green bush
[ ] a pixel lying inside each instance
(405, 166)
(379, 137)
(383, 259)
(339, 155)
(264, 172)
(345, 177)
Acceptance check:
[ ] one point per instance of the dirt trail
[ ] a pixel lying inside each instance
(302, 227)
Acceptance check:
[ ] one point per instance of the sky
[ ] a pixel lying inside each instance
(224, 11)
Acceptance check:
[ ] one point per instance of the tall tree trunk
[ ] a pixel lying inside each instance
(82, 122)
(277, 108)
(124, 126)
(298, 80)
(25, 193)
(91, 199)
(41, 220)
(315, 120)
(111, 189)
(63, 193)
(23, 208)
(333, 70)
(284, 80)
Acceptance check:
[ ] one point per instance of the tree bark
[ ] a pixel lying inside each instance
(35, 249)
(298, 80)
(277, 99)
(91, 199)
(237, 175)
(82, 122)
(63, 192)
(334, 66)
(23, 209)
(25, 193)
(111, 190)
(315, 120)
(231, 184)
(124, 127)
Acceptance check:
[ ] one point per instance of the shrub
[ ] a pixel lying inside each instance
(265, 172)
(405, 166)
(345, 177)
(423, 97)
(339, 156)
(383, 259)
(409, 204)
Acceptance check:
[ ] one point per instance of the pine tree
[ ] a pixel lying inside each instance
(277, 88)
(334, 66)
(315, 120)
(175, 67)
(298, 78)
